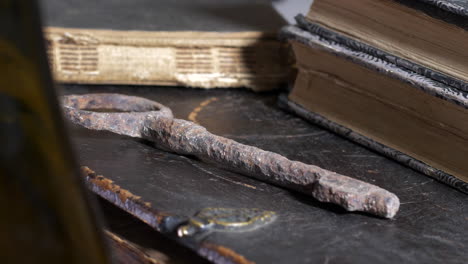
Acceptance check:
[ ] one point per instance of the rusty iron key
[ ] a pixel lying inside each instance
(142, 118)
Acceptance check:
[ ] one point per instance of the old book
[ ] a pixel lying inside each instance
(413, 119)
(201, 43)
(425, 36)
(163, 189)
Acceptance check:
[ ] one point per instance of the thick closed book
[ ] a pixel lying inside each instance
(425, 36)
(406, 116)
(200, 43)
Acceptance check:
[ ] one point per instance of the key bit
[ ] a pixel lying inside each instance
(142, 118)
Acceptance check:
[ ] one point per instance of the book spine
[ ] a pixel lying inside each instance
(398, 156)
(105, 57)
(331, 35)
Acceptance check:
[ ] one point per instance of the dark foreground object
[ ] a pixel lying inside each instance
(431, 226)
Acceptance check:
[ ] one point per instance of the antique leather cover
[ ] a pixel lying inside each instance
(164, 15)
(158, 187)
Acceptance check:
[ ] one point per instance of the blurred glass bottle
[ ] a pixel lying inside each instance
(45, 215)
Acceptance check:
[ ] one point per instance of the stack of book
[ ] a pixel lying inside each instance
(391, 75)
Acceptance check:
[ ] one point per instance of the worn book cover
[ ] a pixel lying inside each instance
(459, 7)
(427, 37)
(164, 189)
(406, 116)
(201, 43)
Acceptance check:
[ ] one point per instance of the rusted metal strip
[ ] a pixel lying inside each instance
(124, 252)
(124, 199)
(184, 137)
(222, 255)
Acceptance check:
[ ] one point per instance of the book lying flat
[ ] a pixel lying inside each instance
(164, 189)
(201, 43)
(406, 116)
(425, 36)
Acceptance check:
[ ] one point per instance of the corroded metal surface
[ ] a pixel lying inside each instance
(139, 117)
(124, 199)
(124, 252)
(226, 219)
(124, 115)
(221, 255)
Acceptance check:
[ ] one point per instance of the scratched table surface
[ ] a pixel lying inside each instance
(431, 226)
